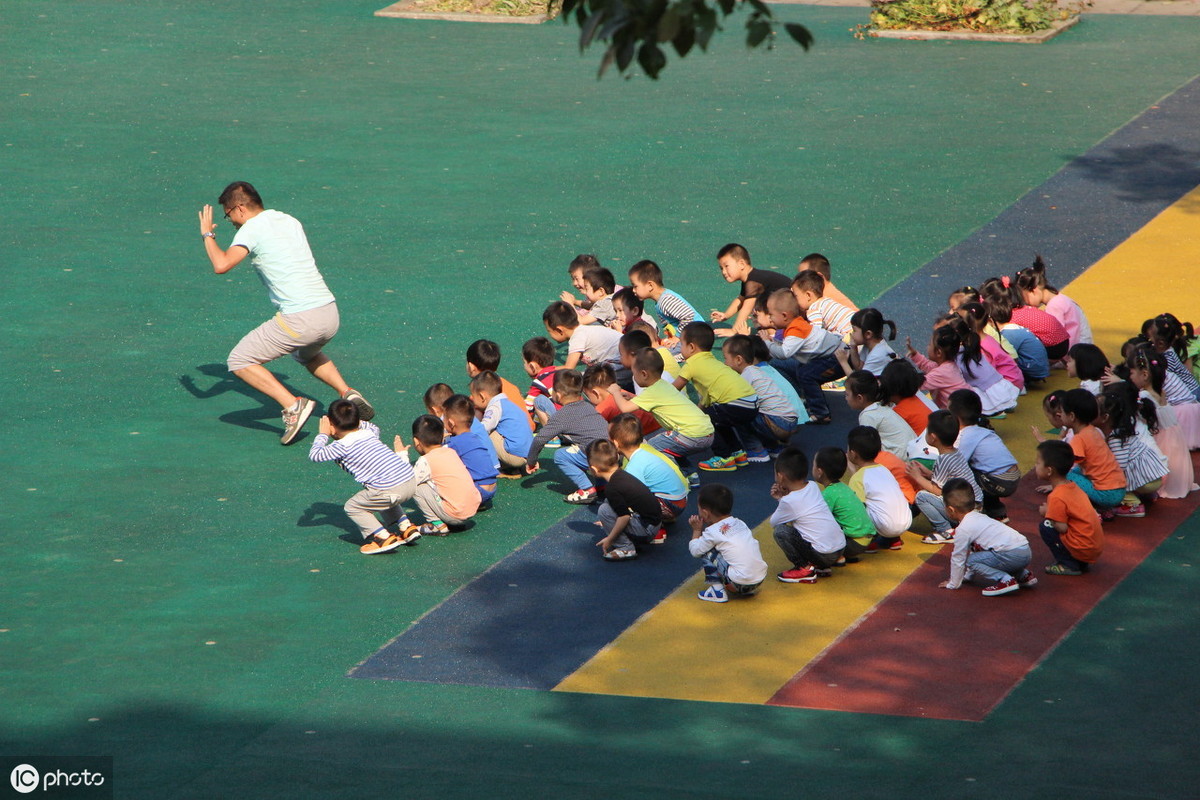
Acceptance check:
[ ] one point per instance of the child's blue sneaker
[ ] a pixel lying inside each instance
(714, 593)
(693, 480)
(758, 456)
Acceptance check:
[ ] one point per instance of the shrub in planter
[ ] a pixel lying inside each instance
(983, 16)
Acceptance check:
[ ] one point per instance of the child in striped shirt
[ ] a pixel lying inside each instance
(646, 279)
(941, 435)
(808, 288)
(387, 478)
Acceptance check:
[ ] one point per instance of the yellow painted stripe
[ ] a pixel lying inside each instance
(744, 650)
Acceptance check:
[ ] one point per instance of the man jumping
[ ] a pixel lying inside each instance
(307, 317)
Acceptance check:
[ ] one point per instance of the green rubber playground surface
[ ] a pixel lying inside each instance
(173, 589)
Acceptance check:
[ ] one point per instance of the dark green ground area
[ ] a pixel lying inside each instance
(446, 174)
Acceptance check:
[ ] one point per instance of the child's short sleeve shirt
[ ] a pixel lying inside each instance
(1085, 536)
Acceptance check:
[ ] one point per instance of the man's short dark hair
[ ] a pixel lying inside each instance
(240, 193)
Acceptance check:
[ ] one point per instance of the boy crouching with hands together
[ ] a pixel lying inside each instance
(984, 548)
(733, 562)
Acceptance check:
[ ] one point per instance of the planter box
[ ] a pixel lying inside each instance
(408, 9)
(973, 36)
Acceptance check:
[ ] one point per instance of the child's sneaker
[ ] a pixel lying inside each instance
(739, 458)
(773, 452)
(435, 528)
(825, 572)
(1003, 587)
(1108, 514)
(295, 417)
(693, 480)
(1138, 510)
(884, 543)
(555, 442)
(714, 593)
(366, 411)
(718, 464)
(758, 457)
(1061, 569)
(938, 538)
(583, 497)
(805, 575)
(834, 386)
(620, 554)
(660, 537)
(1026, 580)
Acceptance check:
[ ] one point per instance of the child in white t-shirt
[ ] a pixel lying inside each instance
(984, 548)
(877, 488)
(733, 562)
(805, 529)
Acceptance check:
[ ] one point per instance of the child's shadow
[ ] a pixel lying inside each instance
(320, 514)
(225, 382)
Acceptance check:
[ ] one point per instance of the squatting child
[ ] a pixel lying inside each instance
(804, 527)
(386, 478)
(1071, 528)
(445, 492)
(629, 514)
(576, 424)
(984, 549)
(733, 562)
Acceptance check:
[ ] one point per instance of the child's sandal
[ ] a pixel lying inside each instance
(1061, 569)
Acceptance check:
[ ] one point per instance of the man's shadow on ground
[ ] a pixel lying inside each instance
(225, 382)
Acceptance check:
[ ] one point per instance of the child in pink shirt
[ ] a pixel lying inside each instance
(942, 375)
(446, 493)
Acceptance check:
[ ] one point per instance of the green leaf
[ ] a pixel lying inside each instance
(651, 59)
(589, 29)
(756, 32)
(668, 24)
(684, 40)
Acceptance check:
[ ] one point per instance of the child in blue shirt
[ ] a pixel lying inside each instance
(506, 424)
(473, 448)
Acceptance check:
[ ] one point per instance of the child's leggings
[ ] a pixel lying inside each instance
(1106, 498)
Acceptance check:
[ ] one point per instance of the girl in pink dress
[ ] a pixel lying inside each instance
(1036, 292)
(1147, 371)
(942, 375)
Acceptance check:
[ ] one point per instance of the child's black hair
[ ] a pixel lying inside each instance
(1174, 333)
(560, 315)
(584, 261)
(1034, 277)
(625, 429)
(967, 406)
(944, 426)
(435, 396)
(761, 351)
(862, 382)
(700, 335)
(630, 301)
(968, 294)
(740, 345)
(569, 383)
(792, 464)
(459, 407)
(599, 376)
(1138, 406)
(1082, 404)
(1155, 364)
(947, 341)
(975, 315)
(1090, 361)
(649, 360)
(341, 417)
(1115, 404)
(734, 251)
(428, 430)
(958, 494)
(816, 263)
(646, 271)
(999, 307)
(538, 350)
(634, 342)
(832, 463)
(487, 382)
(870, 320)
(864, 441)
(484, 354)
(900, 379)
(972, 346)
(603, 454)
(810, 281)
(600, 278)
(1057, 455)
(715, 498)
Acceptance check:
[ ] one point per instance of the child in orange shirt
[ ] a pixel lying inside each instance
(1096, 469)
(446, 493)
(1070, 526)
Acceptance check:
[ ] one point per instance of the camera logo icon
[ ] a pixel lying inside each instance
(24, 778)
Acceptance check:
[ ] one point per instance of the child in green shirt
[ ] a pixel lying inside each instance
(829, 466)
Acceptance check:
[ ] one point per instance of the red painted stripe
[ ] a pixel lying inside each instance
(929, 652)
